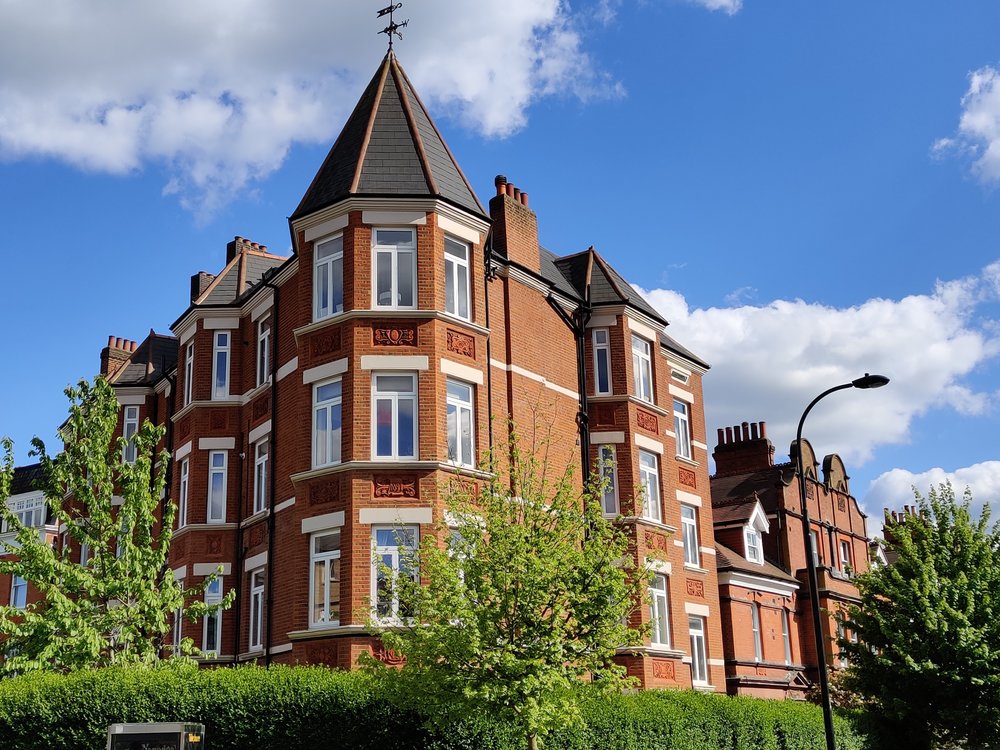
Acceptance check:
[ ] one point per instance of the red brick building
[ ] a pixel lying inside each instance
(769, 642)
(315, 404)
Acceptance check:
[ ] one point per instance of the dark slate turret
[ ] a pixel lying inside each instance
(389, 148)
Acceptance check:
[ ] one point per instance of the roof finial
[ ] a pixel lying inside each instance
(393, 27)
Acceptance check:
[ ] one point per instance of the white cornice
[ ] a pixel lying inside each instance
(427, 205)
(388, 314)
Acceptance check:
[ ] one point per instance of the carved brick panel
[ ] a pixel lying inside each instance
(842, 504)
(213, 544)
(261, 407)
(321, 494)
(657, 542)
(325, 343)
(184, 428)
(321, 653)
(647, 421)
(395, 487)
(461, 343)
(687, 477)
(179, 546)
(256, 535)
(695, 587)
(388, 656)
(663, 669)
(394, 335)
(219, 419)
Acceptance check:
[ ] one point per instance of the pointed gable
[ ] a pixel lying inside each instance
(389, 148)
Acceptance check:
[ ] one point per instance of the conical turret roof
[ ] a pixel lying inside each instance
(389, 147)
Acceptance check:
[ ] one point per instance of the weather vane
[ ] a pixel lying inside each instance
(393, 27)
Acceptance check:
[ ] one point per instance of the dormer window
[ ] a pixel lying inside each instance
(754, 547)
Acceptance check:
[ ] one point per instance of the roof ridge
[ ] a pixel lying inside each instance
(444, 143)
(366, 140)
(272, 256)
(411, 123)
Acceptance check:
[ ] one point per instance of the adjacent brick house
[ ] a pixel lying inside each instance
(767, 627)
(315, 404)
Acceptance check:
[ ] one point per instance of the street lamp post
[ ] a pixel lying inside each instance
(868, 381)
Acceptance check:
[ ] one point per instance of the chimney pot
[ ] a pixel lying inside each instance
(500, 181)
(746, 430)
(524, 199)
(729, 434)
(722, 436)
(111, 341)
(763, 429)
(510, 189)
(753, 431)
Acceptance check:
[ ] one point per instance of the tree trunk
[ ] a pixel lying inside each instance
(532, 742)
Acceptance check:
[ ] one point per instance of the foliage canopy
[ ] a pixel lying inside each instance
(116, 607)
(927, 662)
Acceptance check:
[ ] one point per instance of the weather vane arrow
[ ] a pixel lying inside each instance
(393, 27)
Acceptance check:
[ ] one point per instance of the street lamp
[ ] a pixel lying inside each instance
(868, 381)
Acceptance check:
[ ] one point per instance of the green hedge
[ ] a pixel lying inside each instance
(311, 708)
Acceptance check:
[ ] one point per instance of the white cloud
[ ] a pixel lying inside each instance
(729, 7)
(219, 91)
(894, 489)
(978, 135)
(769, 361)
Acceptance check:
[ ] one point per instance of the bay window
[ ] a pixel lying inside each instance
(328, 278)
(216, 487)
(394, 413)
(211, 636)
(394, 556)
(220, 366)
(602, 361)
(689, 528)
(682, 428)
(261, 450)
(395, 268)
(699, 658)
(456, 278)
(324, 582)
(608, 462)
(461, 423)
(327, 402)
(649, 480)
(659, 613)
(642, 369)
(256, 609)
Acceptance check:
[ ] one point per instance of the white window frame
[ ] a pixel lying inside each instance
(845, 559)
(325, 270)
(130, 426)
(607, 461)
(84, 554)
(212, 622)
(329, 560)
(189, 374)
(458, 409)
(814, 541)
(454, 265)
(183, 494)
(689, 529)
(649, 480)
(699, 654)
(214, 471)
(758, 643)
(255, 639)
(379, 551)
(261, 454)
(395, 398)
(602, 351)
(18, 592)
(659, 610)
(29, 511)
(682, 428)
(327, 451)
(264, 351)
(221, 355)
(394, 252)
(753, 544)
(642, 369)
(786, 635)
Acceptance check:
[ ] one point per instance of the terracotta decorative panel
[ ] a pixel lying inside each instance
(387, 655)
(219, 419)
(325, 343)
(394, 335)
(261, 406)
(663, 669)
(178, 547)
(256, 535)
(213, 544)
(842, 504)
(184, 428)
(320, 494)
(657, 542)
(461, 343)
(687, 477)
(394, 487)
(695, 587)
(647, 421)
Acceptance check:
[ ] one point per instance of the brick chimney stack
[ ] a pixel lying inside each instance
(515, 226)
(240, 246)
(199, 283)
(116, 354)
(743, 449)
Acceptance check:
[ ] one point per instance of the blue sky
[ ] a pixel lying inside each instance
(808, 191)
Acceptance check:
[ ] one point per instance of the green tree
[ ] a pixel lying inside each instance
(927, 662)
(116, 608)
(526, 592)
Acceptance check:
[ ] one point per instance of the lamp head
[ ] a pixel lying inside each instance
(870, 381)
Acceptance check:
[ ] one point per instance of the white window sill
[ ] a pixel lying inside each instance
(695, 568)
(649, 522)
(251, 520)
